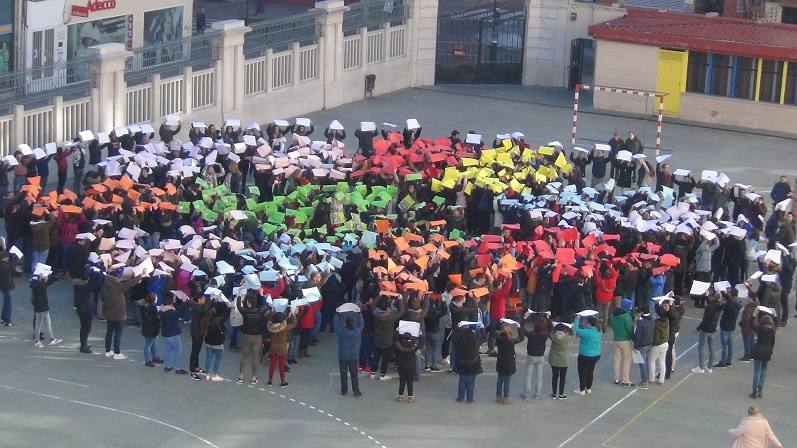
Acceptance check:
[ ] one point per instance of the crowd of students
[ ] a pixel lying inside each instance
(416, 252)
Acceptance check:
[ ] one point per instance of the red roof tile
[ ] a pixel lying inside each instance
(694, 32)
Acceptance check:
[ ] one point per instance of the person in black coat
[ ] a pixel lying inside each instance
(434, 334)
(366, 141)
(199, 306)
(730, 314)
(765, 326)
(505, 363)
(334, 134)
(150, 328)
(406, 346)
(6, 286)
(467, 363)
(410, 135)
(41, 307)
(84, 289)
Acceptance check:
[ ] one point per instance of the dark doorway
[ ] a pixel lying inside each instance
(480, 46)
(582, 62)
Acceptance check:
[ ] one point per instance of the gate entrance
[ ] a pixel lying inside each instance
(480, 46)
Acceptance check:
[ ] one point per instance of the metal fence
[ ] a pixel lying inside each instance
(280, 34)
(37, 85)
(373, 14)
(169, 59)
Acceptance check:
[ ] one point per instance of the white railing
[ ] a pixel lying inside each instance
(375, 51)
(203, 88)
(282, 69)
(38, 126)
(308, 63)
(352, 52)
(398, 47)
(255, 76)
(172, 96)
(139, 104)
(194, 91)
(75, 116)
(6, 127)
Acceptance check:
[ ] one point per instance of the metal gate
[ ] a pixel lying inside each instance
(483, 46)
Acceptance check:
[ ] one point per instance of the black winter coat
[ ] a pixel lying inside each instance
(150, 321)
(466, 342)
(765, 342)
(6, 275)
(505, 362)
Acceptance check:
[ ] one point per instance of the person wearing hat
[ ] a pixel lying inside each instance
(41, 308)
(754, 431)
(765, 325)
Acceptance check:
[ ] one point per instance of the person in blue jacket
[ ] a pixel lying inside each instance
(589, 351)
(348, 327)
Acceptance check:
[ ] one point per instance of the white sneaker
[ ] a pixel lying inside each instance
(108, 354)
(579, 392)
(216, 378)
(372, 376)
(589, 391)
(385, 378)
(38, 344)
(56, 341)
(698, 370)
(120, 356)
(709, 371)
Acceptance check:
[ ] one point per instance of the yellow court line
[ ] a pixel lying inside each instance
(605, 444)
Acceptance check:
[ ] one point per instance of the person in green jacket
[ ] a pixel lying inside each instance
(623, 330)
(558, 357)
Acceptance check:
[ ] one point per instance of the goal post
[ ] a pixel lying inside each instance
(595, 88)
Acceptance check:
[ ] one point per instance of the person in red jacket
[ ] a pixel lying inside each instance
(605, 282)
(498, 304)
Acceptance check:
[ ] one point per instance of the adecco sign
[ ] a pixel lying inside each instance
(96, 5)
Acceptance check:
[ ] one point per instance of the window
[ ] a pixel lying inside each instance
(744, 84)
(771, 76)
(721, 75)
(696, 72)
(791, 84)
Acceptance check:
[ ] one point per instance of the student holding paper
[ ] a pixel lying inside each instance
(765, 324)
(505, 363)
(170, 330)
(540, 331)
(6, 285)
(466, 340)
(253, 318)
(589, 350)
(215, 333)
(279, 328)
(349, 331)
(558, 358)
(150, 328)
(657, 357)
(84, 290)
(385, 316)
(707, 329)
(747, 330)
(407, 346)
(730, 313)
(114, 308)
(39, 283)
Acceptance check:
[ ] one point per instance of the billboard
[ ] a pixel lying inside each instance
(81, 36)
(163, 26)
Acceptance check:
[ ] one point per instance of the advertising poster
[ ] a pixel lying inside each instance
(81, 36)
(163, 26)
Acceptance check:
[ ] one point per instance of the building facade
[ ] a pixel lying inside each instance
(718, 70)
(62, 30)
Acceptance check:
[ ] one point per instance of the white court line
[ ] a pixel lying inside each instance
(106, 408)
(69, 382)
(616, 403)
